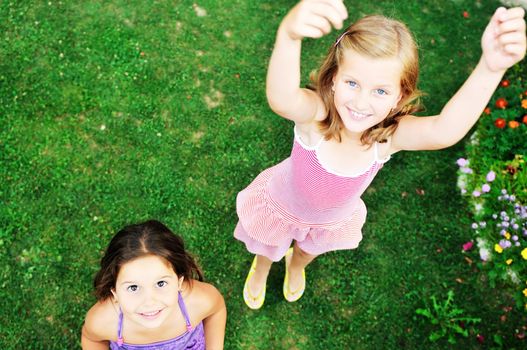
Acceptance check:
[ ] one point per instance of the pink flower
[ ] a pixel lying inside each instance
(491, 176)
(485, 188)
(476, 193)
(467, 246)
(462, 162)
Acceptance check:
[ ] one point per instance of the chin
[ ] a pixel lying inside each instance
(356, 128)
(152, 324)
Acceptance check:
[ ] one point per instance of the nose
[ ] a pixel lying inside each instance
(149, 297)
(361, 102)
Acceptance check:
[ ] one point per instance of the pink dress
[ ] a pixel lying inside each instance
(298, 199)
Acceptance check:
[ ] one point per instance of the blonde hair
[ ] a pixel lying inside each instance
(373, 36)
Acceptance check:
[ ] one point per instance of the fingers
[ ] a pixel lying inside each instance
(333, 11)
(516, 24)
(504, 40)
(514, 49)
(315, 18)
(510, 30)
(511, 38)
(504, 14)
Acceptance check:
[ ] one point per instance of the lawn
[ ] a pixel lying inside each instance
(114, 112)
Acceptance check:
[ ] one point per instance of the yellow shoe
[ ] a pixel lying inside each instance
(289, 295)
(253, 302)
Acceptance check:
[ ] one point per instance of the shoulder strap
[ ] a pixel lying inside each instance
(376, 151)
(184, 311)
(120, 341)
(304, 145)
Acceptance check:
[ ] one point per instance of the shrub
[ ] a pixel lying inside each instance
(493, 179)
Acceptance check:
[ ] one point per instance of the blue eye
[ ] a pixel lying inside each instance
(132, 288)
(162, 284)
(381, 92)
(352, 83)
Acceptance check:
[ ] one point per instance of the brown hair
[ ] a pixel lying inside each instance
(135, 241)
(373, 36)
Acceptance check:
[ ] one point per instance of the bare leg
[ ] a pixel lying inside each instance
(298, 262)
(258, 280)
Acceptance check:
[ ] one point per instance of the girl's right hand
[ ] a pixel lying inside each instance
(314, 18)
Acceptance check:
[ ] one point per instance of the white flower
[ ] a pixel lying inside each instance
(474, 139)
(514, 276)
(481, 243)
(478, 207)
(462, 181)
(484, 254)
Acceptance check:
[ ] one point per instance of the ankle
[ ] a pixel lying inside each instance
(260, 275)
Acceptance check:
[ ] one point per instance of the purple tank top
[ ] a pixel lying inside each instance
(192, 339)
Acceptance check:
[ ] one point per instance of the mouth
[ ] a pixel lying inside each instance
(356, 115)
(150, 315)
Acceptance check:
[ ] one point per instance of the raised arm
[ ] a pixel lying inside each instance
(503, 44)
(308, 19)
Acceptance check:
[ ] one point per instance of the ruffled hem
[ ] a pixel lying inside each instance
(264, 221)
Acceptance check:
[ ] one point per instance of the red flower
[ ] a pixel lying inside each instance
(524, 120)
(500, 123)
(465, 14)
(505, 83)
(513, 124)
(501, 103)
(486, 110)
(480, 338)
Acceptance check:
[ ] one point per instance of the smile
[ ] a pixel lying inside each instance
(150, 315)
(357, 116)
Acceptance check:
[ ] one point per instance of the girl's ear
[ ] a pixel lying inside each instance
(114, 294)
(180, 282)
(396, 103)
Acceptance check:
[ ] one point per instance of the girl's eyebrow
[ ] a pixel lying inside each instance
(128, 282)
(157, 279)
(387, 85)
(164, 277)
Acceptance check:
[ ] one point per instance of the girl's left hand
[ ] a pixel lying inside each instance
(503, 42)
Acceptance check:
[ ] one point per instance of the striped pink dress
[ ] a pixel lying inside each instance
(298, 199)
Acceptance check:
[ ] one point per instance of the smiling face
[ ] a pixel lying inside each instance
(147, 290)
(365, 90)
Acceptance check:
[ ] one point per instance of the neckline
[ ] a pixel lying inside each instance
(314, 149)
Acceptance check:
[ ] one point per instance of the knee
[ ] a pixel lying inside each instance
(302, 254)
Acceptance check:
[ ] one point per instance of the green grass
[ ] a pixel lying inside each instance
(115, 112)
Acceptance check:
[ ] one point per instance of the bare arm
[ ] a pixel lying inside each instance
(309, 18)
(88, 344)
(503, 45)
(214, 323)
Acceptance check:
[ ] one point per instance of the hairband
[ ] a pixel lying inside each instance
(340, 38)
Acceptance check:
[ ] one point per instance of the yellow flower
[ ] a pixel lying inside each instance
(507, 235)
(499, 249)
(524, 104)
(509, 261)
(525, 292)
(524, 253)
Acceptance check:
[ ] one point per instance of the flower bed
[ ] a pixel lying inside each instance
(493, 179)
